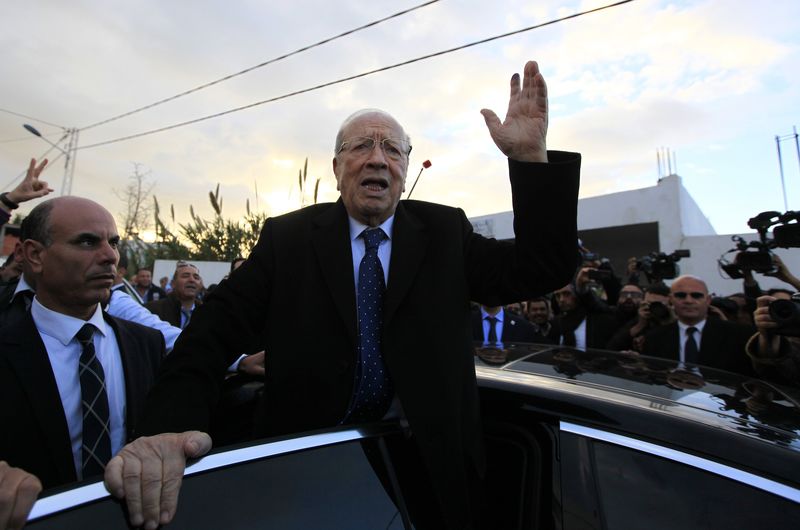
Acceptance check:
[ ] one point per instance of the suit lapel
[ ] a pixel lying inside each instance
(331, 241)
(132, 367)
(29, 361)
(409, 245)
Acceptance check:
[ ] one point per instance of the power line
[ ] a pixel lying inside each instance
(50, 164)
(265, 63)
(31, 118)
(352, 77)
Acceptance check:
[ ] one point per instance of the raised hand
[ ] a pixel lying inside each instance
(31, 187)
(522, 135)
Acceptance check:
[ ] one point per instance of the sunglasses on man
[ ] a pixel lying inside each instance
(696, 295)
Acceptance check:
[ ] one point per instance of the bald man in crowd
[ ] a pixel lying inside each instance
(696, 339)
(72, 378)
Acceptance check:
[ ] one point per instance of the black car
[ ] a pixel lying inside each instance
(574, 440)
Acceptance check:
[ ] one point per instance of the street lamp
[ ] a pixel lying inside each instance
(69, 154)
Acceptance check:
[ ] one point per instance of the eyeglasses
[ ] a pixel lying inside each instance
(631, 294)
(361, 145)
(696, 295)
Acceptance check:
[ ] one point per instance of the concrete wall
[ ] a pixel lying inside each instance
(681, 225)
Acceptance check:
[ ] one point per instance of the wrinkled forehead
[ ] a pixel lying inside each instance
(187, 268)
(372, 124)
(76, 216)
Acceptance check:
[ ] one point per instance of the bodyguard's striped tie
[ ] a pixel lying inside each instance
(96, 448)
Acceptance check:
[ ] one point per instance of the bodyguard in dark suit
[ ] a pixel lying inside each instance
(312, 275)
(696, 339)
(72, 379)
(508, 326)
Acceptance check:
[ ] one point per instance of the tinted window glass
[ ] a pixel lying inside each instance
(636, 490)
(329, 488)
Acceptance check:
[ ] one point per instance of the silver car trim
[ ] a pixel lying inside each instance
(96, 491)
(749, 479)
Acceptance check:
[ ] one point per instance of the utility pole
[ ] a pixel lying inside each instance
(71, 137)
(778, 140)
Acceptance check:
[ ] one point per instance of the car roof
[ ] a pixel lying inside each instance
(656, 391)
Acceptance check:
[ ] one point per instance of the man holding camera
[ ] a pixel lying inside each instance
(775, 355)
(585, 321)
(696, 339)
(652, 312)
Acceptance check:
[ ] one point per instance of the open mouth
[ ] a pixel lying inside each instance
(375, 184)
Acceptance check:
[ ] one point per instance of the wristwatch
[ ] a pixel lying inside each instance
(11, 205)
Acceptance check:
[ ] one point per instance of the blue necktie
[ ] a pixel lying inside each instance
(96, 449)
(374, 389)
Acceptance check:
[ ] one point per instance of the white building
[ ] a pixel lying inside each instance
(661, 218)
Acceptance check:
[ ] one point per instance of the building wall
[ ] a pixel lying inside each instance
(681, 225)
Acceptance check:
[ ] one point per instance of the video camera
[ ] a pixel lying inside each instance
(756, 256)
(659, 266)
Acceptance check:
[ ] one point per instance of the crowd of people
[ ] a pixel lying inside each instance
(104, 374)
(681, 322)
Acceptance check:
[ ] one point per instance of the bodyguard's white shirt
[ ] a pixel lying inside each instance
(63, 349)
(122, 305)
(698, 335)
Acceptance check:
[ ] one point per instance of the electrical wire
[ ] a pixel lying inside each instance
(352, 77)
(31, 118)
(15, 179)
(260, 65)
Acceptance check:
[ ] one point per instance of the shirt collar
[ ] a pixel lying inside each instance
(64, 327)
(699, 326)
(22, 286)
(498, 316)
(356, 227)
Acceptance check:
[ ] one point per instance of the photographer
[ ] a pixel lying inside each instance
(654, 311)
(585, 321)
(774, 356)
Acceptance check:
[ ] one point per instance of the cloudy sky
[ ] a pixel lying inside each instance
(714, 81)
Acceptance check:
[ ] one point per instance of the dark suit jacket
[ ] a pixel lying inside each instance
(600, 327)
(722, 346)
(515, 328)
(34, 434)
(297, 287)
(167, 309)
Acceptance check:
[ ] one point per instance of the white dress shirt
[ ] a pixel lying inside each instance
(698, 335)
(63, 349)
(122, 305)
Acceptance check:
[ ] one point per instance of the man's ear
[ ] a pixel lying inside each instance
(336, 163)
(33, 253)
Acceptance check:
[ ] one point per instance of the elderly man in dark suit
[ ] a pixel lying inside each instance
(319, 273)
(72, 378)
(695, 339)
